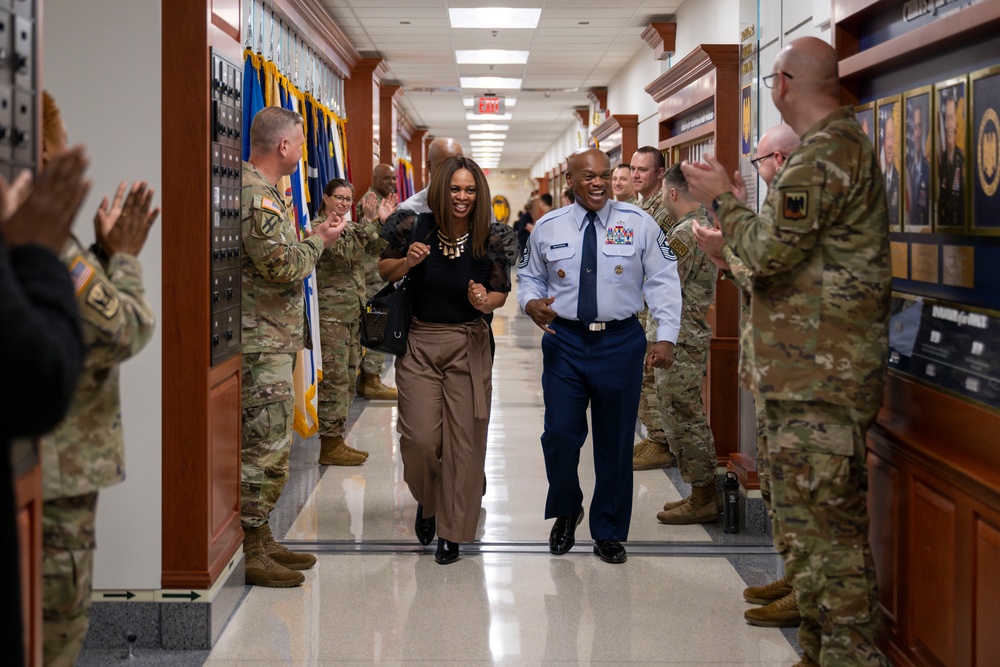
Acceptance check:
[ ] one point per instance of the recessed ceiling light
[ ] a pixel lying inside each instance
(493, 18)
(487, 142)
(508, 101)
(491, 57)
(488, 135)
(489, 127)
(497, 116)
(490, 82)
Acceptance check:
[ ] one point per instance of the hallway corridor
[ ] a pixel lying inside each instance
(376, 596)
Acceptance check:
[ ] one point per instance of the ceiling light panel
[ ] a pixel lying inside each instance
(490, 82)
(488, 135)
(494, 18)
(491, 57)
(489, 127)
(472, 116)
(486, 142)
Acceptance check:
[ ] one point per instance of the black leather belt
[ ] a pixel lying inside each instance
(594, 327)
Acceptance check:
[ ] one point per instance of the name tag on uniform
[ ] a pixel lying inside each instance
(558, 245)
(619, 235)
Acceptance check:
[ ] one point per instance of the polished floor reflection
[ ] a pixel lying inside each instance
(377, 597)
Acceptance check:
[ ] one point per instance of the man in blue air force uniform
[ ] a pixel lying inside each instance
(582, 281)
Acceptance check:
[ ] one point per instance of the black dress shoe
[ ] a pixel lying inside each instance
(424, 528)
(447, 552)
(563, 535)
(610, 551)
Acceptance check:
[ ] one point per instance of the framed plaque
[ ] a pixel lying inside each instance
(865, 113)
(985, 163)
(889, 135)
(951, 156)
(917, 179)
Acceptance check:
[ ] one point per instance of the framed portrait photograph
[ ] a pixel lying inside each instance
(951, 155)
(917, 177)
(889, 135)
(865, 114)
(984, 95)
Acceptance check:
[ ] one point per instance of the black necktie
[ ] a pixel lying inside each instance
(586, 307)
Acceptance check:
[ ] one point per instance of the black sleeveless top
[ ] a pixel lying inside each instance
(439, 285)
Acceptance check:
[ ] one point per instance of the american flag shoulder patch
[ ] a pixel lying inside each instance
(80, 272)
(265, 204)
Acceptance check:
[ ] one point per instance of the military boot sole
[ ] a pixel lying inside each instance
(661, 465)
(261, 578)
(338, 462)
(785, 621)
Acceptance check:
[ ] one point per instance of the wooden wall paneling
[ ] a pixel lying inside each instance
(387, 98)
(986, 589)
(542, 184)
(190, 539)
(361, 103)
(28, 498)
(707, 79)
(932, 550)
(628, 125)
(418, 157)
(883, 492)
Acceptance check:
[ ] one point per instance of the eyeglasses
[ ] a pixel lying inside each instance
(769, 79)
(757, 160)
(341, 199)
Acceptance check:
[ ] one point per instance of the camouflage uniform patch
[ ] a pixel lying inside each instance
(373, 363)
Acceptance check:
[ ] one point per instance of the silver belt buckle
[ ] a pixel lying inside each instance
(596, 326)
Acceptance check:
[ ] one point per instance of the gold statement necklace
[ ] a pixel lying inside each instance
(449, 249)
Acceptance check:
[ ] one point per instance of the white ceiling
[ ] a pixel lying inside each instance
(578, 45)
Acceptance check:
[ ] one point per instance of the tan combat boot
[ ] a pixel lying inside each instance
(282, 556)
(333, 451)
(671, 504)
(652, 455)
(782, 613)
(374, 390)
(699, 507)
(260, 569)
(768, 593)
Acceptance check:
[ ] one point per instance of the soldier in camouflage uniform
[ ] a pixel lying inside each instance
(774, 147)
(370, 383)
(819, 251)
(86, 451)
(340, 276)
(653, 452)
(678, 388)
(274, 264)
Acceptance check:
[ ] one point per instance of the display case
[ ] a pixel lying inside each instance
(932, 70)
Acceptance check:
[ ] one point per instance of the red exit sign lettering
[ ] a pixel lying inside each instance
(489, 105)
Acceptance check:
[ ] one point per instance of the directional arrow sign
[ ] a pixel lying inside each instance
(189, 596)
(128, 595)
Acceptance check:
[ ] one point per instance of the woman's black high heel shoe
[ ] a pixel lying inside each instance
(447, 552)
(424, 528)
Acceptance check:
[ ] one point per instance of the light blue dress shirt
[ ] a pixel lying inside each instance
(633, 260)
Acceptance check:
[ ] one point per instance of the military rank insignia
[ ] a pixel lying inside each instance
(795, 204)
(679, 248)
(665, 248)
(525, 256)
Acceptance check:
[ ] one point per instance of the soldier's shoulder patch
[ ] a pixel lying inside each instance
(665, 249)
(525, 256)
(100, 305)
(263, 203)
(80, 272)
(679, 247)
(795, 204)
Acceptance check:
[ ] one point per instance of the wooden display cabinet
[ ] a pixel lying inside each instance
(934, 459)
(698, 101)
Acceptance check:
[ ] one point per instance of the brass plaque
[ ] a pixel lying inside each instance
(959, 266)
(900, 260)
(925, 262)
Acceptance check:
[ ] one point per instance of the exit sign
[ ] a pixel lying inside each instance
(488, 105)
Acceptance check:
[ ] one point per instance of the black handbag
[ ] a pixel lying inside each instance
(386, 319)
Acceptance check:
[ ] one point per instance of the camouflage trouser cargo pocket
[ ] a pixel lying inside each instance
(268, 413)
(843, 591)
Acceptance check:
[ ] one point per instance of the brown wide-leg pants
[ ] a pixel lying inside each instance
(445, 384)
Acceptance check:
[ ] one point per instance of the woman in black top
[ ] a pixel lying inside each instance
(458, 265)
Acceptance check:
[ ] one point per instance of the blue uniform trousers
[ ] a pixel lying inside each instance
(603, 369)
